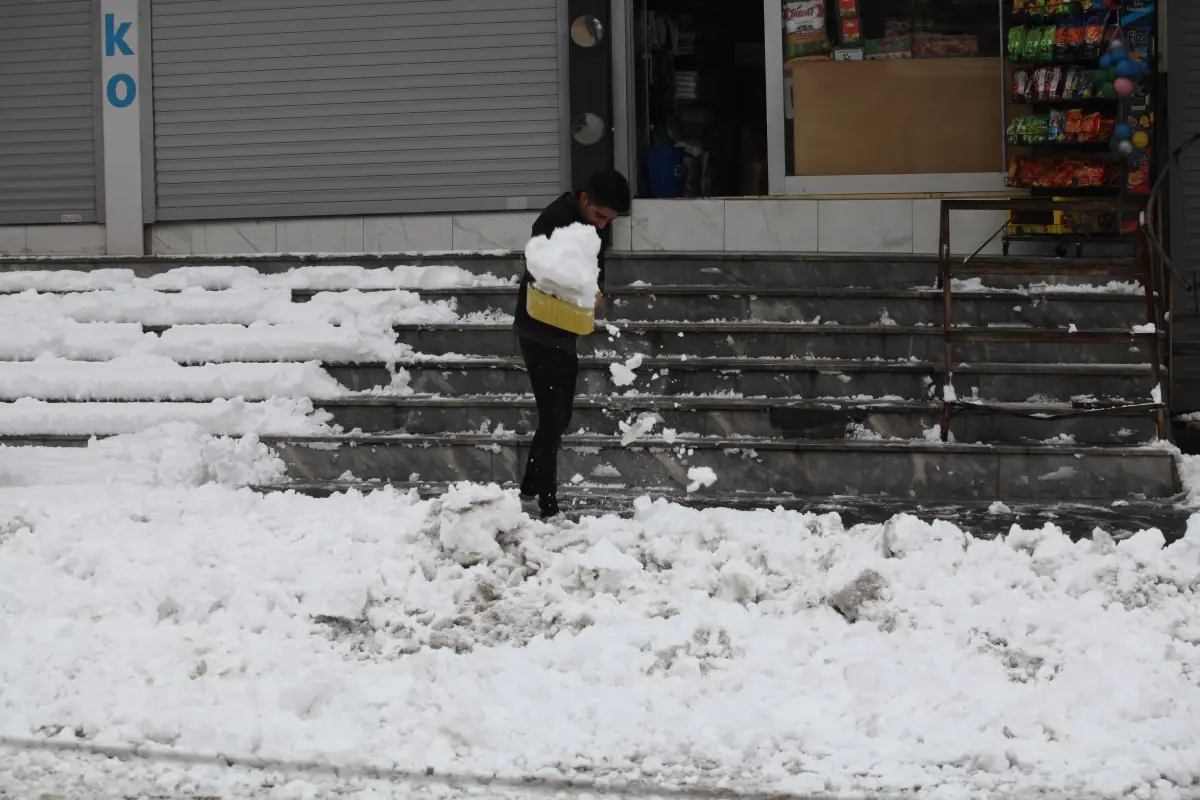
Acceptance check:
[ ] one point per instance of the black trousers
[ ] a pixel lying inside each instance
(553, 373)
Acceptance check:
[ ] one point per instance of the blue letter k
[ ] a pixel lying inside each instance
(114, 37)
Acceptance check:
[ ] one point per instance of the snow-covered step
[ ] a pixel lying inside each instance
(233, 306)
(785, 417)
(281, 416)
(200, 344)
(157, 378)
(760, 377)
(883, 340)
(297, 271)
(929, 471)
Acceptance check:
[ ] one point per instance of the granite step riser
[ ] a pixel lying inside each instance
(915, 385)
(780, 423)
(903, 473)
(1017, 310)
(824, 344)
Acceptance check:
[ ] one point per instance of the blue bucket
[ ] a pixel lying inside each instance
(665, 165)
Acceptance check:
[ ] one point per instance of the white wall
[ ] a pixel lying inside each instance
(768, 226)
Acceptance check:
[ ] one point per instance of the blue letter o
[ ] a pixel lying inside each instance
(118, 80)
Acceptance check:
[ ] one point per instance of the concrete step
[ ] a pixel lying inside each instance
(747, 377)
(905, 307)
(978, 518)
(784, 340)
(726, 269)
(759, 417)
(908, 470)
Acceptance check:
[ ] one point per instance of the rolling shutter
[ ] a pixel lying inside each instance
(48, 114)
(281, 108)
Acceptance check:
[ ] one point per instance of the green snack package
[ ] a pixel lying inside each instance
(1046, 46)
(1014, 131)
(1016, 43)
(1033, 41)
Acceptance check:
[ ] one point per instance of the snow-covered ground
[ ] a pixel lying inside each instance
(156, 605)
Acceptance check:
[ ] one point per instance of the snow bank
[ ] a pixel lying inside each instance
(565, 264)
(230, 306)
(274, 417)
(330, 278)
(260, 341)
(177, 454)
(157, 378)
(764, 650)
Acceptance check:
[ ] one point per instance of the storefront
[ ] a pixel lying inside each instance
(49, 126)
(874, 97)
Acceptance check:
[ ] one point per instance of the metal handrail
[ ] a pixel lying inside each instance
(1152, 222)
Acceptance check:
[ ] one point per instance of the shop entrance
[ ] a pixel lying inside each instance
(700, 114)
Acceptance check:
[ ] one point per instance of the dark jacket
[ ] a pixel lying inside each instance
(562, 213)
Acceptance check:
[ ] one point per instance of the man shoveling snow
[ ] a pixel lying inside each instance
(561, 255)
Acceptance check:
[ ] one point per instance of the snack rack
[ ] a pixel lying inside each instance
(1069, 132)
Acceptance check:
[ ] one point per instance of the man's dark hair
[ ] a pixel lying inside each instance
(609, 188)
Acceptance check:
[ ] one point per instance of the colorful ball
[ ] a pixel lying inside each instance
(1117, 51)
(1123, 87)
(1141, 140)
(1105, 61)
(1126, 69)
(1125, 148)
(1123, 130)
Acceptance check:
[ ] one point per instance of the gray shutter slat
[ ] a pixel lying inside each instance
(47, 115)
(281, 108)
(364, 151)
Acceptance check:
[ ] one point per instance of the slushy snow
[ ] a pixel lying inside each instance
(565, 264)
(160, 608)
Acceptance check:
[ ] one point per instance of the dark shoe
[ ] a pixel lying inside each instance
(529, 505)
(549, 508)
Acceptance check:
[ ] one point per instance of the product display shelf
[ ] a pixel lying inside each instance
(1064, 230)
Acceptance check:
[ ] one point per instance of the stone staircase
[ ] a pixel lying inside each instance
(791, 377)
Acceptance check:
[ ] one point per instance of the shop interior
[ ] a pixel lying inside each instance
(701, 116)
(701, 98)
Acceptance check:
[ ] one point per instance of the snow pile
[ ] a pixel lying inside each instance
(258, 341)
(157, 378)
(772, 651)
(623, 374)
(566, 264)
(273, 417)
(230, 306)
(311, 278)
(173, 454)
(700, 478)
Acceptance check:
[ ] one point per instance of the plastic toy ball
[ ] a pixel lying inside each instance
(1105, 61)
(1123, 87)
(1126, 69)
(1117, 51)
(1123, 130)
(1141, 140)
(1125, 148)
